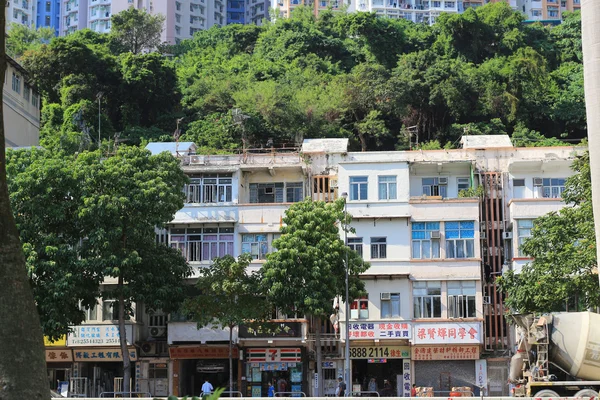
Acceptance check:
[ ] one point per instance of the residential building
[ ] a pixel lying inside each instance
(20, 12)
(48, 15)
(21, 106)
(548, 10)
(432, 316)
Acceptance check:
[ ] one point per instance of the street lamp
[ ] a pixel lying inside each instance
(347, 312)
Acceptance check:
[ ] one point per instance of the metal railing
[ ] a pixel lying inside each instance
(293, 394)
(365, 393)
(116, 395)
(230, 392)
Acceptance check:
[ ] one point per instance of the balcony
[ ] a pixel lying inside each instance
(181, 332)
(533, 208)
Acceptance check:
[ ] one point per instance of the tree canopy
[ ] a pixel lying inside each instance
(354, 75)
(564, 269)
(136, 30)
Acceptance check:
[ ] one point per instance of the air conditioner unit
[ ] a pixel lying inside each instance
(158, 331)
(443, 180)
(538, 182)
(386, 296)
(483, 235)
(148, 349)
(435, 234)
(333, 183)
(507, 235)
(268, 190)
(487, 300)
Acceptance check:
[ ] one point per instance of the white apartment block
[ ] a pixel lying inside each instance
(20, 12)
(21, 106)
(432, 315)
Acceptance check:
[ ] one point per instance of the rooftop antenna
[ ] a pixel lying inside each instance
(239, 119)
(412, 131)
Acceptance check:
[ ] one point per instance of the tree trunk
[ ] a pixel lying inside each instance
(123, 339)
(22, 361)
(590, 26)
(230, 360)
(319, 356)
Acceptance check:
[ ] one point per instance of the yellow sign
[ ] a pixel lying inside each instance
(102, 355)
(379, 352)
(59, 355)
(62, 342)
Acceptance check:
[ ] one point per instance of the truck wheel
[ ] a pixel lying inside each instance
(586, 393)
(546, 393)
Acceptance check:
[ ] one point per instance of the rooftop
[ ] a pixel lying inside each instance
(485, 141)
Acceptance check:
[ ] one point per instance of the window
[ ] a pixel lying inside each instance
(523, 232)
(35, 99)
(356, 244)
(434, 186)
(518, 188)
(16, 83)
(178, 6)
(460, 239)
(48, 6)
(461, 299)
(202, 244)
(26, 91)
(209, 189)
(424, 246)
(427, 299)
(109, 311)
(47, 20)
(536, 13)
(548, 187)
(390, 305)
(178, 18)
(378, 247)
(359, 309)
(436, 4)
(358, 187)
(294, 191)
(463, 183)
(255, 244)
(266, 192)
(387, 187)
(91, 314)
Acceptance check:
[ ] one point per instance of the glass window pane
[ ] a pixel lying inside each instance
(385, 309)
(426, 249)
(435, 249)
(416, 249)
(437, 307)
(450, 249)
(470, 248)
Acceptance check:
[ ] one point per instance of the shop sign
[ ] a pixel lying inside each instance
(450, 332)
(293, 354)
(273, 366)
(379, 352)
(274, 330)
(433, 353)
(98, 335)
(406, 379)
(377, 360)
(62, 342)
(329, 365)
(102, 355)
(202, 352)
(59, 355)
(380, 330)
(481, 373)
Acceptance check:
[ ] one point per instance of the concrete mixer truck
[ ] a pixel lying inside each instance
(558, 355)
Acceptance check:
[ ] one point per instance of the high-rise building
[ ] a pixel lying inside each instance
(183, 18)
(547, 10)
(20, 12)
(48, 15)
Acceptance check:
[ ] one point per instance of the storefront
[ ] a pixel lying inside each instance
(152, 376)
(98, 361)
(381, 350)
(59, 364)
(445, 356)
(193, 364)
(283, 366)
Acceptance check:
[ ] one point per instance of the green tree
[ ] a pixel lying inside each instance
(22, 365)
(134, 30)
(97, 220)
(230, 295)
(22, 38)
(563, 245)
(308, 269)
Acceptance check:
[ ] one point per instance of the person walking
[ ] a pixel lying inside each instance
(341, 389)
(387, 388)
(372, 385)
(271, 390)
(413, 391)
(207, 389)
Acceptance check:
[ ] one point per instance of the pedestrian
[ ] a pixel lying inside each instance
(271, 390)
(207, 388)
(341, 388)
(282, 386)
(387, 388)
(372, 385)
(413, 391)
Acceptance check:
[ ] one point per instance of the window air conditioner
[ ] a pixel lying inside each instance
(443, 180)
(487, 300)
(435, 234)
(158, 331)
(538, 181)
(386, 296)
(507, 235)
